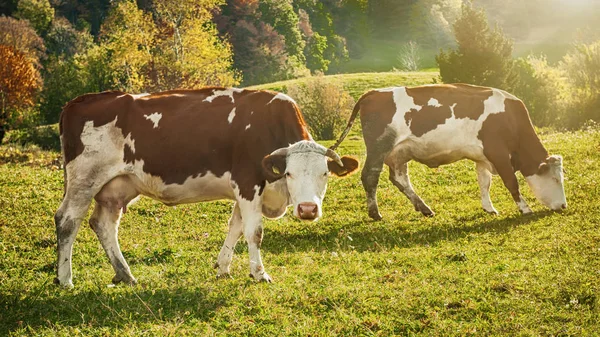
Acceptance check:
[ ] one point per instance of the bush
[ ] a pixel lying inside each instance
(542, 88)
(483, 56)
(409, 57)
(582, 69)
(325, 106)
(46, 137)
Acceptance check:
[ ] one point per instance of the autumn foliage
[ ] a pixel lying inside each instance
(19, 83)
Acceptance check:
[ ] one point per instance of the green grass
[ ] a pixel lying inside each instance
(357, 84)
(462, 272)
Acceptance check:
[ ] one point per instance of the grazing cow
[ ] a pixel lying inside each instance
(178, 147)
(440, 124)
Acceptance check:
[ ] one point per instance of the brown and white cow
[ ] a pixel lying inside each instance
(188, 146)
(440, 124)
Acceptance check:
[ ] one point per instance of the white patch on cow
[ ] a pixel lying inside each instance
(103, 144)
(276, 199)
(207, 187)
(452, 109)
(404, 103)
(434, 102)
(138, 96)
(282, 97)
(443, 144)
(130, 142)
(494, 104)
(248, 126)
(154, 118)
(231, 116)
(251, 113)
(227, 92)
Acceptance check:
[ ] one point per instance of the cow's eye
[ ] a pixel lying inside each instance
(288, 175)
(325, 174)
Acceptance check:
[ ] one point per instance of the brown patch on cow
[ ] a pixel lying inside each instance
(193, 136)
(258, 236)
(511, 133)
(377, 109)
(429, 116)
(470, 100)
(460, 100)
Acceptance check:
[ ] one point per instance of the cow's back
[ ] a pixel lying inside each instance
(180, 135)
(437, 124)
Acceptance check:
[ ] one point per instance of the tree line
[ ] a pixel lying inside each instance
(54, 50)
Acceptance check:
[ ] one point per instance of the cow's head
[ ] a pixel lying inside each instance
(547, 183)
(305, 167)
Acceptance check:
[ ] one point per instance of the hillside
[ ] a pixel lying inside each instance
(357, 84)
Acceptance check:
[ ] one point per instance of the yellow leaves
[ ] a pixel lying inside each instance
(19, 80)
(178, 48)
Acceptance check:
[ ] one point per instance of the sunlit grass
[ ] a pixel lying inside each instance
(461, 272)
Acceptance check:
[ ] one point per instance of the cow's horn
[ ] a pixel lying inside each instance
(331, 154)
(280, 152)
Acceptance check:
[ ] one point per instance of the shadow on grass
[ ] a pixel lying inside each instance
(374, 236)
(104, 307)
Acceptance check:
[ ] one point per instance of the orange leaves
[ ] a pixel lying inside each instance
(19, 80)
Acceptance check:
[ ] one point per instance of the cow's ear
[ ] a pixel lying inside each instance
(350, 166)
(274, 167)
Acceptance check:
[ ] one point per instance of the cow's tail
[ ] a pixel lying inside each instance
(62, 146)
(350, 121)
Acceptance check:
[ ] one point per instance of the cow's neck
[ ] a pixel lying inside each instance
(531, 153)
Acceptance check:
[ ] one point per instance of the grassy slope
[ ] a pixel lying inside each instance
(461, 272)
(358, 84)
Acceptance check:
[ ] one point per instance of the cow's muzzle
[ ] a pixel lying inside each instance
(308, 210)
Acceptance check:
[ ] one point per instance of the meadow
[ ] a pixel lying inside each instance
(462, 272)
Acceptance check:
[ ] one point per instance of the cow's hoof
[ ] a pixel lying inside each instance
(127, 279)
(375, 216)
(224, 275)
(427, 212)
(492, 211)
(262, 277)
(66, 285)
(526, 211)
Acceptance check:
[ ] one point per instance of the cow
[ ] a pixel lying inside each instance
(443, 123)
(187, 146)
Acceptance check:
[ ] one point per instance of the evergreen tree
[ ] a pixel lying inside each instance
(483, 55)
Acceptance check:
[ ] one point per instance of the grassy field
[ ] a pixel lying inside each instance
(462, 272)
(357, 84)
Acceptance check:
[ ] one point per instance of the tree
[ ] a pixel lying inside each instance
(19, 35)
(38, 12)
(127, 35)
(188, 52)
(64, 40)
(483, 55)
(19, 84)
(431, 21)
(410, 56)
(582, 68)
(259, 51)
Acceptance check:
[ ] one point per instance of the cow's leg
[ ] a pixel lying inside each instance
(105, 223)
(400, 179)
(251, 212)
(67, 220)
(501, 161)
(236, 230)
(484, 178)
(370, 179)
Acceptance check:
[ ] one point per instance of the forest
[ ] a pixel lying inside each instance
(547, 52)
